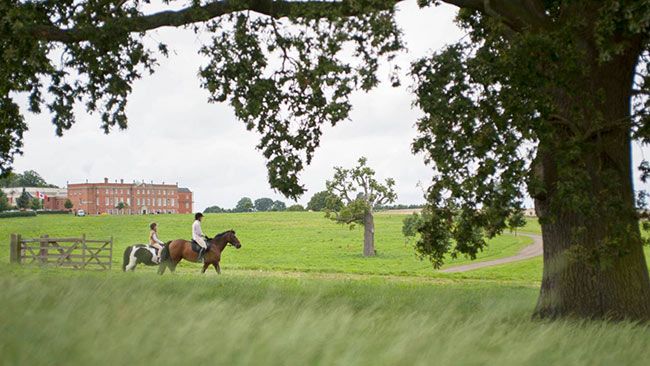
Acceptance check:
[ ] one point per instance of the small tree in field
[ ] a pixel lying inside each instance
(244, 205)
(4, 202)
(68, 204)
(35, 204)
(263, 204)
(24, 200)
(279, 206)
(296, 208)
(359, 192)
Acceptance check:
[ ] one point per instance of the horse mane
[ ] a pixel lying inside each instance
(222, 234)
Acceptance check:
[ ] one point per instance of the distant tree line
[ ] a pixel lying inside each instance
(28, 178)
(320, 201)
(264, 204)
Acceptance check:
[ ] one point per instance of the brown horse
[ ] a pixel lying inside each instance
(179, 249)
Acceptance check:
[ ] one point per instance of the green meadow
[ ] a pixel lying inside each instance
(272, 241)
(297, 293)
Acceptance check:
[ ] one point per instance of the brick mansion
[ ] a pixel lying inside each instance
(119, 198)
(113, 198)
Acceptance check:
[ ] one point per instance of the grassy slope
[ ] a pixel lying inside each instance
(80, 318)
(300, 241)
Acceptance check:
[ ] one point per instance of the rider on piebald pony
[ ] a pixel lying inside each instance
(197, 235)
(155, 242)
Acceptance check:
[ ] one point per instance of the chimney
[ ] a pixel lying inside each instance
(86, 180)
(121, 181)
(105, 180)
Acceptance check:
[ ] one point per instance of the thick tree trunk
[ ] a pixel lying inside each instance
(368, 235)
(594, 265)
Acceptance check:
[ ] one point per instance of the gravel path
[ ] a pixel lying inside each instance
(530, 251)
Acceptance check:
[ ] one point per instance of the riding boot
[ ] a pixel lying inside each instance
(201, 253)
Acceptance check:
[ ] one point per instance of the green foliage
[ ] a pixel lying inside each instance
(4, 202)
(68, 204)
(53, 212)
(279, 206)
(17, 214)
(35, 204)
(263, 204)
(24, 200)
(121, 206)
(326, 51)
(214, 209)
(319, 201)
(28, 178)
(529, 92)
(245, 204)
(411, 225)
(354, 192)
(296, 208)
(516, 221)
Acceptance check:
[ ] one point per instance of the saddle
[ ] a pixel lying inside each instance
(196, 247)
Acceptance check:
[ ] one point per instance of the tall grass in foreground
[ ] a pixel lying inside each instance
(56, 317)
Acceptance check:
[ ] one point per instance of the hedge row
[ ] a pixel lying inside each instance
(17, 214)
(53, 212)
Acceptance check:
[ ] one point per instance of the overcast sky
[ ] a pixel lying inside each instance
(174, 135)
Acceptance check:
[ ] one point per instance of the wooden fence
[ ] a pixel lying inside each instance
(77, 253)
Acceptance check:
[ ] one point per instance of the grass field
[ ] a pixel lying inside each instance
(288, 241)
(297, 293)
(240, 318)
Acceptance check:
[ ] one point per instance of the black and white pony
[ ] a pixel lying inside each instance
(136, 254)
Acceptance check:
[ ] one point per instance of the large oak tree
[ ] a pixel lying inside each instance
(544, 95)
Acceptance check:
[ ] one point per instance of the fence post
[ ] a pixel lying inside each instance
(110, 259)
(19, 248)
(13, 249)
(43, 253)
(83, 251)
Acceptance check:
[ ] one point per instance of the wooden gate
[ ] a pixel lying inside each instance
(77, 253)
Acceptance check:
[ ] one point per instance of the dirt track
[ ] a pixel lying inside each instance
(530, 251)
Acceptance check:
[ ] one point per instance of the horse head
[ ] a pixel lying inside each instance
(232, 238)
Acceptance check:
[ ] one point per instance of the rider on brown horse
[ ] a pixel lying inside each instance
(197, 235)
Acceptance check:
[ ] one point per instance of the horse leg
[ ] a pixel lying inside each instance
(205, 266)
(216, 267)
(172, 266)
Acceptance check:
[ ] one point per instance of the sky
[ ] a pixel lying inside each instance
(175, 135)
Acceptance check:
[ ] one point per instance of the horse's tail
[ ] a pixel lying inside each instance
(127, 254)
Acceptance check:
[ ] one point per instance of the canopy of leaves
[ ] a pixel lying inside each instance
(528, 83)
(214, 209)
(68, 204)
(28, 178)
(353, 193)
(24, 200)
(263, 204)
(278, 206)
(245, 204)
(60, 53)
(296, 207)
(318, 202)
(4, 202)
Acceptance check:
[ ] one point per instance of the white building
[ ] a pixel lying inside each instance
(15, 192)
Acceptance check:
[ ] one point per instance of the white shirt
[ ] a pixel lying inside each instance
(154, 237)
(197, 233)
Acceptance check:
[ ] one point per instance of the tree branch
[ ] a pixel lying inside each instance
(516, 14)
(196, 14)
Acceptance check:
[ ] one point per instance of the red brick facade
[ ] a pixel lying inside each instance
(54, 203)
(138, 198)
